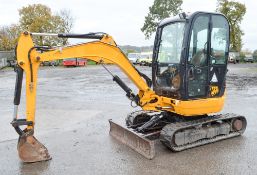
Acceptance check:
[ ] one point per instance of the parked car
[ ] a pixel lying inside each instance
(249, 58)
(133, 57)
(50, 63)
(146, 59)
(11, 63)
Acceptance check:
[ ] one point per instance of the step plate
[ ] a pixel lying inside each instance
(132, 139)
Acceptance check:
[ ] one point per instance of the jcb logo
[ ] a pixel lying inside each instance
(214, 90)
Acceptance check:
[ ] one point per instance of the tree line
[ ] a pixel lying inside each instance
(37, 18)
(234, 11)
(40, 18)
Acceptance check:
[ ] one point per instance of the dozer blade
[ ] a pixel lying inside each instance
(31, 150)
(139, 143)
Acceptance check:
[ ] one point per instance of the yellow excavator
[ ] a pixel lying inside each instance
(179, 103)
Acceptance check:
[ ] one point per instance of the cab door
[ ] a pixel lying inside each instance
(207, 56)
(218, 55)
(197, 62)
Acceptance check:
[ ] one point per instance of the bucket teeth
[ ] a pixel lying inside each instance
(31, 150)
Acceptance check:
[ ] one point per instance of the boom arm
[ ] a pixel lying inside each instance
(103, 51)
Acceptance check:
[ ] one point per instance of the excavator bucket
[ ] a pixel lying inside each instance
(31, 150)
(139, 143)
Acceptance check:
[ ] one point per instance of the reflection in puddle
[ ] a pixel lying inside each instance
(34, 168)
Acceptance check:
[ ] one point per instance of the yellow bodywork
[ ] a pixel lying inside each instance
(104, 51)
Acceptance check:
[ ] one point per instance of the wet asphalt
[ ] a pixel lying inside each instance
(73, 108)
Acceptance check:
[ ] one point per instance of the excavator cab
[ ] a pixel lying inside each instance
(190, 56)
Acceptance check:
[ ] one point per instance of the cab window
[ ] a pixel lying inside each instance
(198, 42)
(171, 43)
(219, 40)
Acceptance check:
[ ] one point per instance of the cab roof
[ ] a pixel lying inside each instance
(179, 18)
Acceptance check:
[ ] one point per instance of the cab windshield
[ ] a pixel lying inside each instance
(171, 43)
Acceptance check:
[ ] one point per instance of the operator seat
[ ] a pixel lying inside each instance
(199, 59)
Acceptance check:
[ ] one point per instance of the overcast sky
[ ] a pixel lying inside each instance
(123, 18)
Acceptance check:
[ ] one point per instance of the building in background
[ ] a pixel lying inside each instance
(7, 58)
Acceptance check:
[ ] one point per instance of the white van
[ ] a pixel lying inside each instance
(233, 57)
(248, 58)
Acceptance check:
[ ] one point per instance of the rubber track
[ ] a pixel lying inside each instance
(167, 133)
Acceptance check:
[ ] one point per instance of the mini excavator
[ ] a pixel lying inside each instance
(179, 104)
